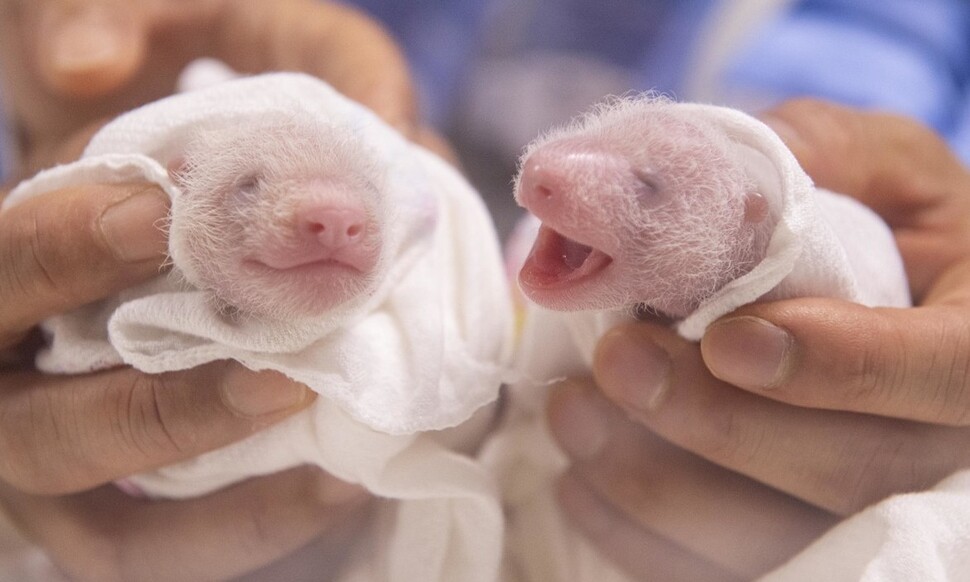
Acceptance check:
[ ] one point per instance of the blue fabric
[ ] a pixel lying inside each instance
(959, 134)
(440, 39)
(648, 38)
(618, 32)
(906, 56)
(664, 67)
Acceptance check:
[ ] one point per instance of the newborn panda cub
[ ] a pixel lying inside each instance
(278, 218)
(641, 205)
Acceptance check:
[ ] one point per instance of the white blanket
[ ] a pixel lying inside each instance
(825, 245)
(422, 351)
(918, 536)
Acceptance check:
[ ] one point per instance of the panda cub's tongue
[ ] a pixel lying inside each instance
(556, 260)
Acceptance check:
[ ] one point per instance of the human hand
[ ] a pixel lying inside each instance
(62, 438)
(676, 469)
(244, 530)
(68, 65)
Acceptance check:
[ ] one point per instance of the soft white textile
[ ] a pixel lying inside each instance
(425, 350)
(824, 245)
(920, 536)
(437, 284)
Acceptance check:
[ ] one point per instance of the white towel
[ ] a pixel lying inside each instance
(423, 350)
(918, 536)
(824, 245)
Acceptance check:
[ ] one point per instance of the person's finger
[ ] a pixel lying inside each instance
(335, 42)
(638, 551)
(70, 247)
(738, 524)
(895, 165)
(891, 163)
(906, 363)
(67, 434)
(840, 461)
(105, 535)
(86, 49)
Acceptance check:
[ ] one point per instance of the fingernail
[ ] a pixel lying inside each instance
(633, 371)
(580, 424)
(747, 351)
(131, 229)
(86, 40)
(252, 394)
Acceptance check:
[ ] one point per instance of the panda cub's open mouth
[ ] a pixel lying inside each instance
(557, 261)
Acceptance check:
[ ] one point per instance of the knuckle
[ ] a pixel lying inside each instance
(146, 418)
(42, 255)
(36, 444)
(921, 374)
(33, 258)
(24, 272)
(45, 244)
(947, 391)
(728, 437)
(856, 477)
(878, 372)
(869, 377)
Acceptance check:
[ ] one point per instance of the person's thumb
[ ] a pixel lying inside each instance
(87, 49)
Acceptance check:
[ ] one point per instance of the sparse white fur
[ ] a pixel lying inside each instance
(672, 252)
(237, 184)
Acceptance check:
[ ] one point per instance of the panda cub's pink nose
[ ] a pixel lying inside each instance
(333, 228)
(542, 181)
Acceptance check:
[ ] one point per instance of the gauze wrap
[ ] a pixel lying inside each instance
(824, 245)
(424, 350)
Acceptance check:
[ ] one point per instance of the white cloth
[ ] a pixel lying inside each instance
(436, 284)
(824, 245)
(425, 350)
(919, 536)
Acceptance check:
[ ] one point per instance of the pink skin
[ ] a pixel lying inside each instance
(280, 220)
(556, 263)
(319, 246)
(326, 233)
(638, 207)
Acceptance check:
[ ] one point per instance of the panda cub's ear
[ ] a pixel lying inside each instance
(176, 167)
(755, 208)
(765, 183)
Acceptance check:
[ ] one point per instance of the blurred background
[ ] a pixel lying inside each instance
(493, 74)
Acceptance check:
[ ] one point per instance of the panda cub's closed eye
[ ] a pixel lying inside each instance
(247, 187)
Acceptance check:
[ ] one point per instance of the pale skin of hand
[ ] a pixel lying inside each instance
(72, 63)
(64, 437)
(720, 461)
